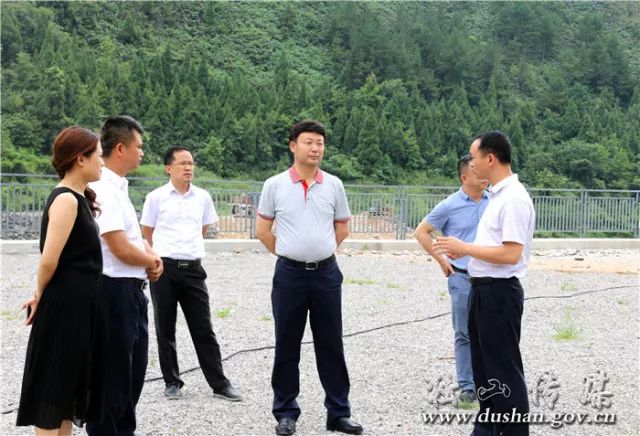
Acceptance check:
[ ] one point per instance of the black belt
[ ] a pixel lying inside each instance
(460, 270)
(137, 283)
(182, 264)
(488, 280)
(310, 266)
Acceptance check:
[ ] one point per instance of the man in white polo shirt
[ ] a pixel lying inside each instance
(499, 254)
(175, 219)
(311, 213)
(127, 261)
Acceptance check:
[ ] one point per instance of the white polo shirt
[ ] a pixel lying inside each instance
(305, 215)
(509, 217)
(177, 220)
(117, 213)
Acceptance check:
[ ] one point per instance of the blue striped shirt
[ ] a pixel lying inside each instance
(458, 215)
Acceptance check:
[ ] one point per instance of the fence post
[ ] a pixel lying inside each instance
(397, 203)
(255, 198)
(637, 209)
(401, 228)
(585, 210)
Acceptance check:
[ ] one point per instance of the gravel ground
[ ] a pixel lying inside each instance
(390, 368)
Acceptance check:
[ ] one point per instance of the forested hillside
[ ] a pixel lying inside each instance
(401, 86)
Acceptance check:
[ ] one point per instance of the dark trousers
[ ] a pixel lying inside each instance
(187, 287)
(124, 306)
(495, 313)
(297, 291)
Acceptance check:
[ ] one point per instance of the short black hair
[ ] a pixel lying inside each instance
(463, 163)
(306, 126)
(117, 129)
(497, 143)
(168, 156)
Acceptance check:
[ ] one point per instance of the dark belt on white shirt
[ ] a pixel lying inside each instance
(460, 270)
(182, 263)
(137, 283)
(488, 280)
(309, 266)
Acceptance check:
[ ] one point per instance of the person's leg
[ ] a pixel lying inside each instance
(477, 362)
(194, 301)
(165, 304)
(498, 328)
(290, 305)
(508, 366)
(118, 302)
(459, 288)
(46, 432)
(325, 315)
(140, 357)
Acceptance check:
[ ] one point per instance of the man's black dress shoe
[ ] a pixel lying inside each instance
(286, 426)
(344, 425)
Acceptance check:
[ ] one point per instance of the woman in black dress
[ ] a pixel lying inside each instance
(62, 369)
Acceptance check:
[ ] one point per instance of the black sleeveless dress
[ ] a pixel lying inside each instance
(64, 360)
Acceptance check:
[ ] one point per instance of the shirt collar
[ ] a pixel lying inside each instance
(295, 177)
(513, 178)
(466, 197)
(113, 178)
(172, 188)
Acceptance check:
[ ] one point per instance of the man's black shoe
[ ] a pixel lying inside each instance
(172, 392)
(228, 393)
(344, 425)
(286, 426)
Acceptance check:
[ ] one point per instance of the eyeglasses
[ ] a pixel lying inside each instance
(184, 164)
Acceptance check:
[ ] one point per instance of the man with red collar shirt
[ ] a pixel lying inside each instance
(311, 213)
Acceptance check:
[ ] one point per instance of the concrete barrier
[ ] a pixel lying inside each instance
(243, 245)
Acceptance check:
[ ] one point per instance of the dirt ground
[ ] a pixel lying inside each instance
(624, 262)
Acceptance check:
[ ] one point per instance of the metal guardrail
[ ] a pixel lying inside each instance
(384, 212)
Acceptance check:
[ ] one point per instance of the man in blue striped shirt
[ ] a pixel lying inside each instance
(458, 215)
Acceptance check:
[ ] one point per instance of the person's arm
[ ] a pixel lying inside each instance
(209, 215)
(147, 234)
(62, 215)
(508, 253)
(126, 252)
(424, 236)
(342, 231)
(153, 273)
(264, 233)
(342, 214)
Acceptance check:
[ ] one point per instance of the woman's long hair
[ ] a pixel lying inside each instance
(68, 145)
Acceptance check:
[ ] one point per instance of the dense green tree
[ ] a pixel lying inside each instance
(401, 87)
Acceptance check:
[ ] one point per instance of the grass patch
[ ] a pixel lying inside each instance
(443, 295)
(566, 333)
(466, 405)
(265, 318)
(566, 330)
(359, 282)
(385, 301)
(393, 286)
(223, 313)
(12, 315)
(623, 301)
(568, 287)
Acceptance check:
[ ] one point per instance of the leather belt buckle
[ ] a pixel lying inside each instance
(311, 266)
(183, 264)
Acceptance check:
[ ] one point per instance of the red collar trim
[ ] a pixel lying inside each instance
(295, 177)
